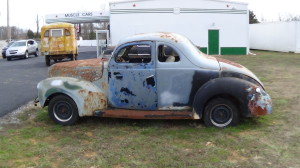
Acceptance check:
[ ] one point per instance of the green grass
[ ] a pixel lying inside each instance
(268, 141)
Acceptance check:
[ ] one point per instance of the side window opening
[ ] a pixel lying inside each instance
(46, 34)
(67, 32)
(134, 54)
(167, 54)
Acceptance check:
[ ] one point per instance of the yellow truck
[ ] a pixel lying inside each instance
(58, 42)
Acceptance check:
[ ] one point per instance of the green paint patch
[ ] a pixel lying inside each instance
(72, 87)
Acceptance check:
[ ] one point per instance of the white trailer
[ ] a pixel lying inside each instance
(217, 26)
(276, 36)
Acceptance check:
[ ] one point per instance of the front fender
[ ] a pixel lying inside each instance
(251, 99)
(87, 96)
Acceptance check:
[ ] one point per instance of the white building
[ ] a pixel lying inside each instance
(217, 26)
(276, 36)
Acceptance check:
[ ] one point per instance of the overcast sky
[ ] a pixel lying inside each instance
(23, 12)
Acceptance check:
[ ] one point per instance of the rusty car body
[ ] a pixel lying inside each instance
(154, 76)
(58, 41)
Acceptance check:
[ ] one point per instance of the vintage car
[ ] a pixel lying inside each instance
(154, 76)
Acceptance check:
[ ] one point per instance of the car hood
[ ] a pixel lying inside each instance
(89, 70)
(18, 48)
(229, 67)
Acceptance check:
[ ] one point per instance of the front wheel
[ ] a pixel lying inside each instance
(221, 113)
(26, 55)
(63, 110)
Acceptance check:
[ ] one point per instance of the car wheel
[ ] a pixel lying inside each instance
(26, 55)
(36, 53)
(220, 113)
(63, 110)
(47, 60)
(8, 58)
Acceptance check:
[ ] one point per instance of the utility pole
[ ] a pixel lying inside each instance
(37, 27)
(8, 27)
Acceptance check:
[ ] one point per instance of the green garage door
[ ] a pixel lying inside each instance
(213, 42)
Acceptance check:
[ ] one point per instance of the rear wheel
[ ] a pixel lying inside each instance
(47, 60)
(63, 110)
(72, 57)
(36, 53)
(221, 113)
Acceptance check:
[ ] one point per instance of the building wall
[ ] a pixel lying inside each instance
(191, 18)
(276, 36)
(297, 37)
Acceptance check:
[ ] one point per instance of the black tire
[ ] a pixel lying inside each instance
(76, 57)
(36, 54)
(26, 55)
(72, 57)
(221, 113)
(63, 110)
(8, 58)
(47, 60)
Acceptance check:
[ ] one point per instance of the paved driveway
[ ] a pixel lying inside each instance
(19, 77)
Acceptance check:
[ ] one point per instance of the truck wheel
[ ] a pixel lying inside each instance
(73, 58)
(36, 53)
(63, 110)
(220, 113)
(47, 60)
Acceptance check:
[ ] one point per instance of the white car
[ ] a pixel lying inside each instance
(22, 49)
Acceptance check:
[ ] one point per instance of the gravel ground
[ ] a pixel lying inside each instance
(12, 118)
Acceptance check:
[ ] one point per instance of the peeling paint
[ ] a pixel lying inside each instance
(93, 101)
(259, 102)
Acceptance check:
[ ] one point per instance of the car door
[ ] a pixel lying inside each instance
(132, 77)
(30, 46)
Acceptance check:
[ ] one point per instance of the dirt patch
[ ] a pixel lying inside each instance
(13, 117)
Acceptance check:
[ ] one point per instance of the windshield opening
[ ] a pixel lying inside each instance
(18, 44)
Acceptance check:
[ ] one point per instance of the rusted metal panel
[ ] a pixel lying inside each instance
(133, 85)
(89, 70)
(259, 102)
(141, 114)
(87, 96)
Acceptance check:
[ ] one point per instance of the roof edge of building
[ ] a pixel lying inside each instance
(128, 1)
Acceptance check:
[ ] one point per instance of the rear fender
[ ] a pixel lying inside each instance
(87, 96)
(250, 98)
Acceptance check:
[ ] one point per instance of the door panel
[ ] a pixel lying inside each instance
(213, 42)
(57, 40)
(132, 78)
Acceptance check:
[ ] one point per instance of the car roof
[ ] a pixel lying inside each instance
(160, 36)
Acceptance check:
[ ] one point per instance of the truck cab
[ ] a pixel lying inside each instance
(154, 76)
